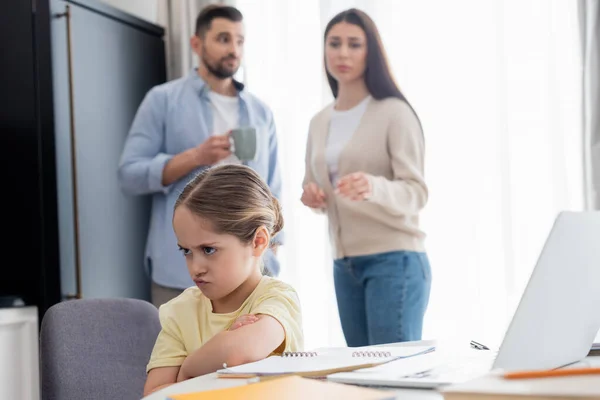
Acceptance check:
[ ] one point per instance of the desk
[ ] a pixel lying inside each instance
(211, 382)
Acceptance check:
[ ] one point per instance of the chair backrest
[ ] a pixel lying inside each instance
(97, 348)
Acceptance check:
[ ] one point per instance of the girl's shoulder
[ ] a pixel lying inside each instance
(273, 287)
(270, 283)
(187, 302)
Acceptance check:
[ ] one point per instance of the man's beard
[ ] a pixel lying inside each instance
(220, 70)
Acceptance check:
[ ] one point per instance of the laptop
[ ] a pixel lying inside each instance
(553, 326)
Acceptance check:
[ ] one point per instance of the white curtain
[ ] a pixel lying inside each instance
(589, 18)
(283, 67)
(497, 86)
(589, 11)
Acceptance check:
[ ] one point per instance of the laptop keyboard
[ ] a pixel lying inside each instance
(458, 369)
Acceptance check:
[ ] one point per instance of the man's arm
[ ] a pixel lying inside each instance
(145, 167)
(249, 343)
(179, 166)
(208, 153)
(143, 158)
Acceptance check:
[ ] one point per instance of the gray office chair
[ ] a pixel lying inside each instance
(97, 349)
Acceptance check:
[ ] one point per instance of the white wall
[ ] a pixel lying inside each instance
(19, 367)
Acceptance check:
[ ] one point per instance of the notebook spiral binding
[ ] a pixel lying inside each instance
(299, 354)
(371, 354)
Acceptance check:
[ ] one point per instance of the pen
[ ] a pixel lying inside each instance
(478, 346)
(551, 373)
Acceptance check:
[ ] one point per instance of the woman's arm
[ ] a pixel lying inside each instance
(312, 196)
(159, 378)
(406, 193)
(247, 344)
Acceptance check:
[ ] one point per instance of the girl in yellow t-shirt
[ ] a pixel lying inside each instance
(224, 221)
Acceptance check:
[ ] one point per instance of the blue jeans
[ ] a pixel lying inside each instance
(382, 298)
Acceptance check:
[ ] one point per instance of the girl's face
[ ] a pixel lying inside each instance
(346, 52)
(219, 264)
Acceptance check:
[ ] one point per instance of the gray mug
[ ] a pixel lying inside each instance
(244, 143)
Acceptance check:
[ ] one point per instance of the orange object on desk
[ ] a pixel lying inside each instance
(551, 373)
(290, 388)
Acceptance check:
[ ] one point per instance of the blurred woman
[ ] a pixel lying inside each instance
(364, 170)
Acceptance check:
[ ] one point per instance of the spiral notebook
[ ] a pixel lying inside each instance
(322, 363)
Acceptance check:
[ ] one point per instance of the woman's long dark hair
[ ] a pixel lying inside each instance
(378, 76)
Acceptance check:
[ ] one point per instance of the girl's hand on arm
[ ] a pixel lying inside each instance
(248, 343)
(242, 320)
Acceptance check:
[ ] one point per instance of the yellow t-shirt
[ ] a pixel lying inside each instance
(188, 322)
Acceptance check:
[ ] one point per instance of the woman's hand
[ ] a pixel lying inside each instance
(313, 196)
(242, 320)
(355, 186)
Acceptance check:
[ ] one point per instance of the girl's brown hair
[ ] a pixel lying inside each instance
(235, 200)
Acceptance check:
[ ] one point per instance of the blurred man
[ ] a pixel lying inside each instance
(182, 127)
